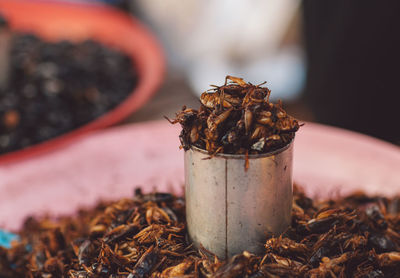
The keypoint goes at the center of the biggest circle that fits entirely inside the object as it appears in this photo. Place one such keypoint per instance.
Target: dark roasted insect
(234, 118)
(57, 86)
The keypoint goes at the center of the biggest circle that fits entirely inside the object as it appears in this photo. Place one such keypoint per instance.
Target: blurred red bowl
(54, 21)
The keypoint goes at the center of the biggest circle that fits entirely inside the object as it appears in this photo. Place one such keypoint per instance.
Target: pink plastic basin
(109, 164)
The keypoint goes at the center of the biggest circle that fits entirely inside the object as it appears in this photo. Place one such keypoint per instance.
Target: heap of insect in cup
(144, 236)
(236, 118)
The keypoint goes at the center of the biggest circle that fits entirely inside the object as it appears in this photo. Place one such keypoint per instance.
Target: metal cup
(230, 210)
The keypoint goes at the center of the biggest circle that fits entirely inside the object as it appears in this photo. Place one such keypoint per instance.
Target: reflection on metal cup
(230, 210)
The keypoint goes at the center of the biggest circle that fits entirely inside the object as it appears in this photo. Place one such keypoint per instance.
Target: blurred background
(204, 41)
(334, 63)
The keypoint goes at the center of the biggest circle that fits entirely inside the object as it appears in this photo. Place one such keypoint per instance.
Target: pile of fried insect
(236, 118)
(145, 236)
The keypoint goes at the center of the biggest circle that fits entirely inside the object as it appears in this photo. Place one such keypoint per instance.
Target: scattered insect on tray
(145, 236)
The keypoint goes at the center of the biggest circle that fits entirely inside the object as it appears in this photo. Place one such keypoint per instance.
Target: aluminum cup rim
(242, 156)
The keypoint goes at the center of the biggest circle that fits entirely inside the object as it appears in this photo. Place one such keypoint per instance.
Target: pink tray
(110, 164)
(55, 20)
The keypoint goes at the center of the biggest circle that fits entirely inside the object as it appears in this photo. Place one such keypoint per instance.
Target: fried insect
(264, 118)
(177, 270)
(145, 236)
(236, 117)
(211, 100)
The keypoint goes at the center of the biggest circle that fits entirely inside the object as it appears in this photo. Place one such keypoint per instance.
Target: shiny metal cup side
(230, 210)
